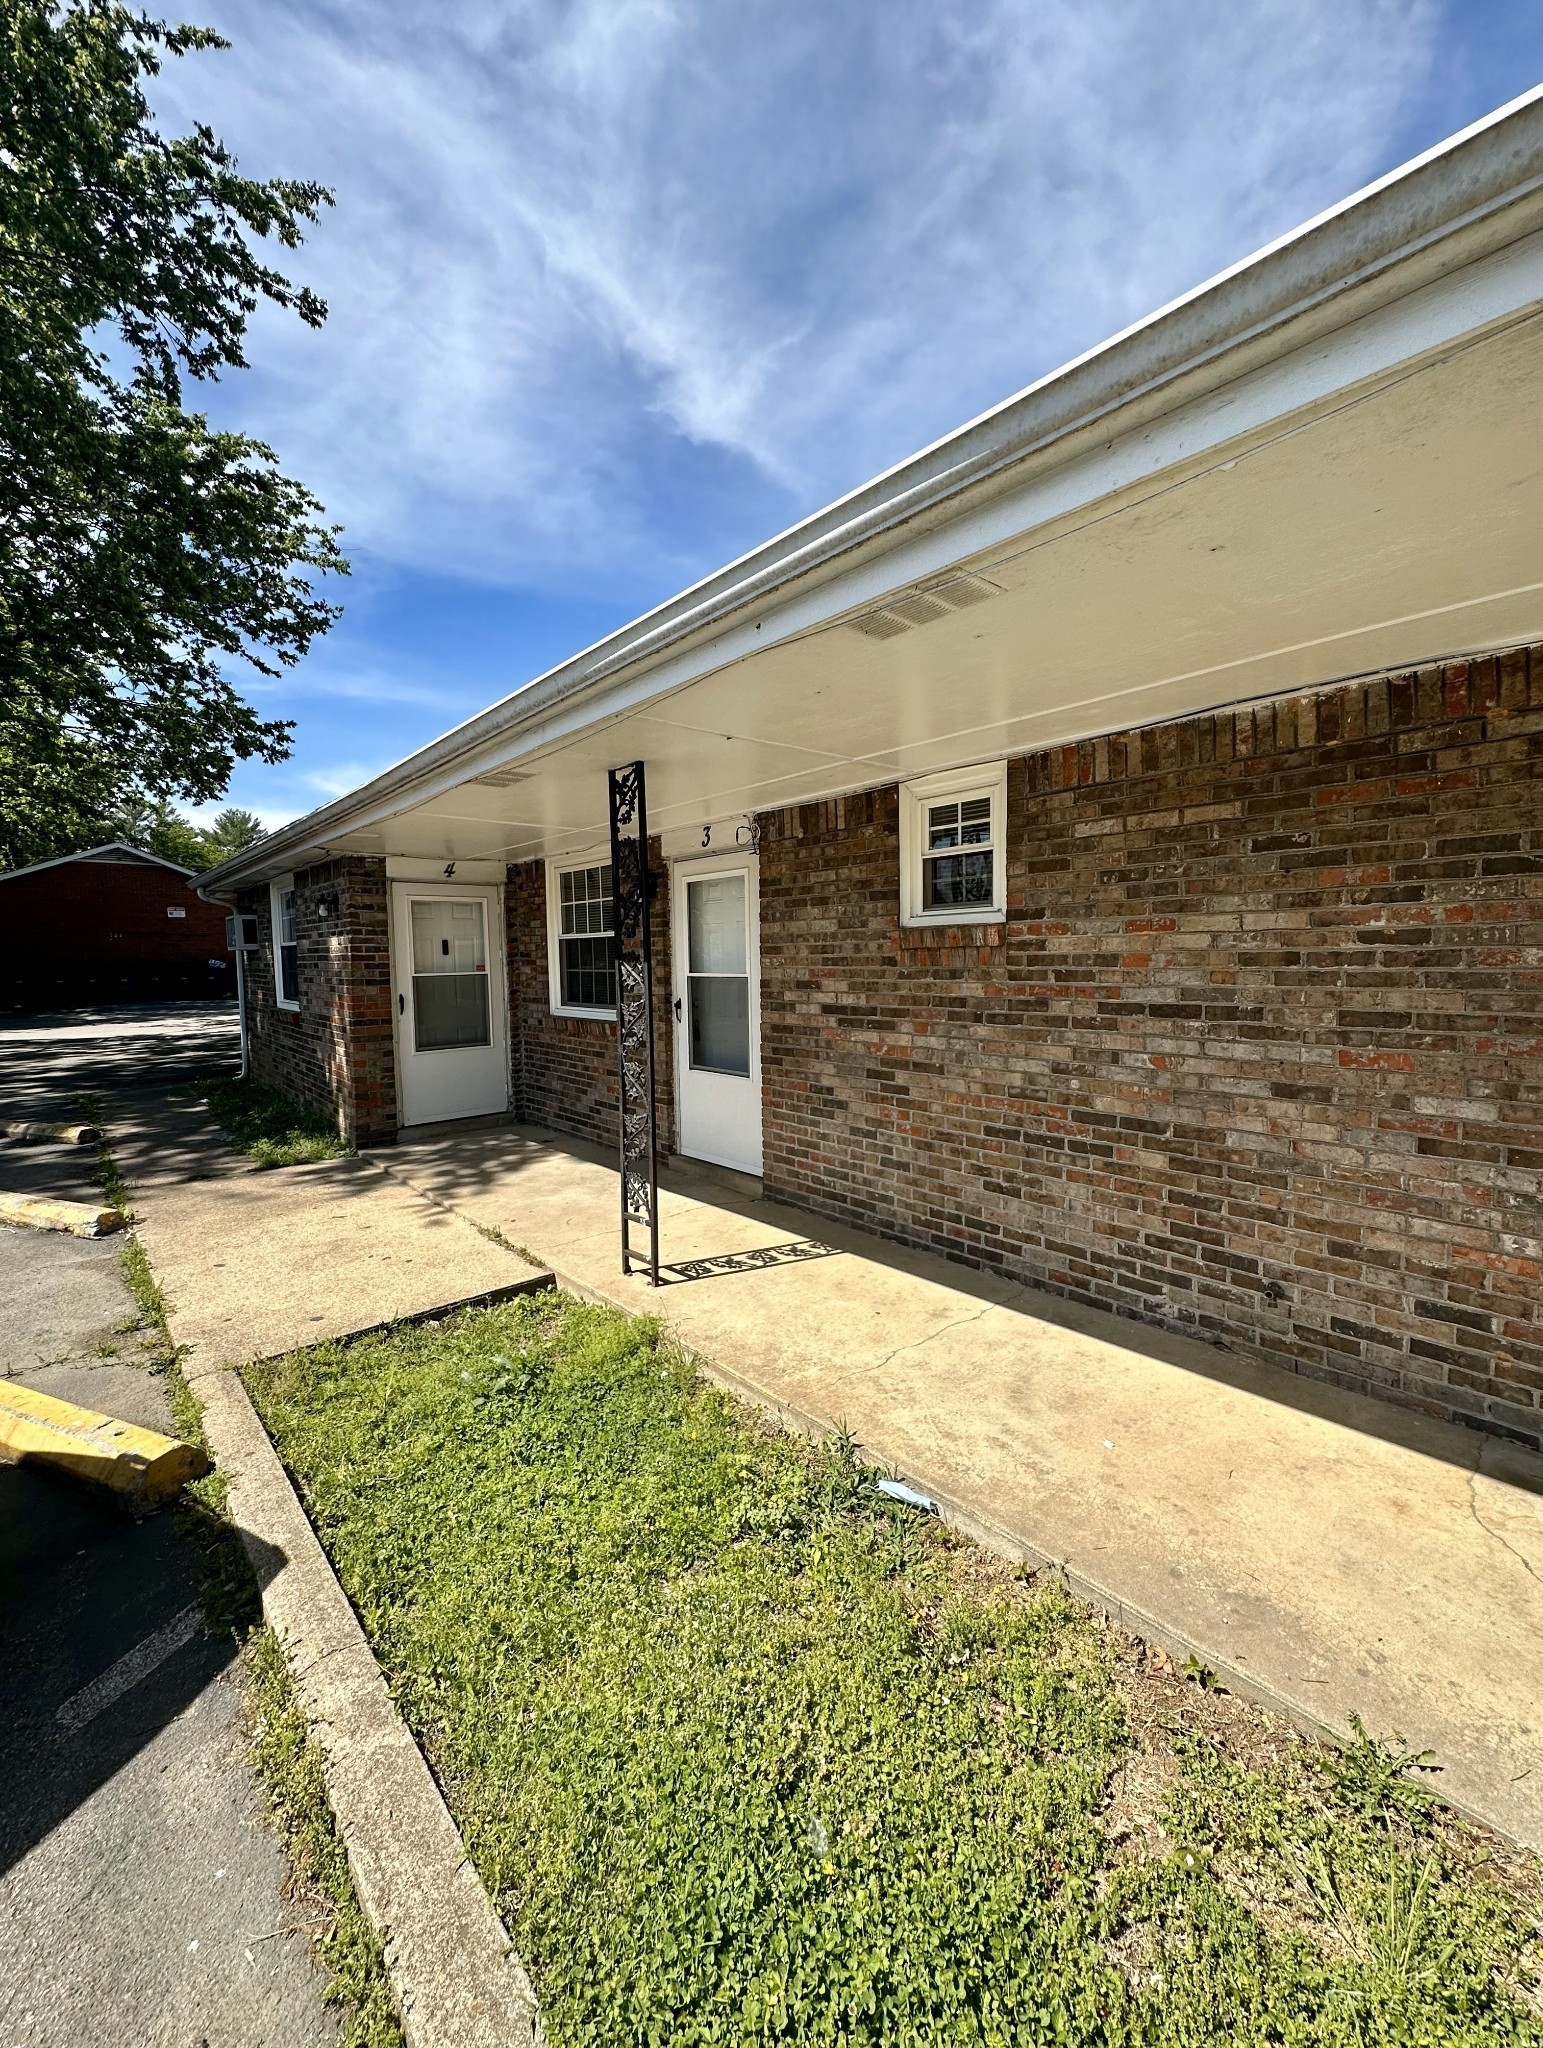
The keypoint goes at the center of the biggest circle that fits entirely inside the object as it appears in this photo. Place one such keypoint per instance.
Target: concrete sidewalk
(254, 1264)
(1332, 1553)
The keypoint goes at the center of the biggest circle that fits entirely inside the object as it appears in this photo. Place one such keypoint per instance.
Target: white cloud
(320, 680)
(618, 284)
(340, 778)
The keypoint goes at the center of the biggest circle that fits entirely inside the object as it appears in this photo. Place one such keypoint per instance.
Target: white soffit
(1257, 517)
(1399, 525)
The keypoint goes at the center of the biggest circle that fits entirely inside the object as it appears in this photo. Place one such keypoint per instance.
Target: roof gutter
(1448, 207)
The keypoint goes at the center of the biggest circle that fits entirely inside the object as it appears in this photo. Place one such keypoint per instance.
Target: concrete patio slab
(1333, 1554)
(255, 1264)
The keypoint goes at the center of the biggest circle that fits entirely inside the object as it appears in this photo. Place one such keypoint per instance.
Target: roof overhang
(99, 854)
(1326, 461)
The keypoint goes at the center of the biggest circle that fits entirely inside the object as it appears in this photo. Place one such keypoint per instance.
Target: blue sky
(620, 287)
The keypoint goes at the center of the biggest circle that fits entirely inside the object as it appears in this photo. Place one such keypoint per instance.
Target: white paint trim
(987, 780)
(1419, 262)
(594, 858)
(278, 888)
(727, 835)
(95, 853)
(485, 873)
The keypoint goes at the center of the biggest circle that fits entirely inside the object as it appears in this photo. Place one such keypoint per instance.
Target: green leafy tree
(142, 552)
(158, 829)
(57, 789)
(179, 839)
(232, 832)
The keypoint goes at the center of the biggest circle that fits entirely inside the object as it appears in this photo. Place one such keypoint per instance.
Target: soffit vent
(922, 607)
(879, 625)
(502, 778)
(917, 611)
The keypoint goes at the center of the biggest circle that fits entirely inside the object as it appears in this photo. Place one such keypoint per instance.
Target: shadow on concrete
(109, 1630)
(496, 1149)
(755, 1260)
(48, 1061)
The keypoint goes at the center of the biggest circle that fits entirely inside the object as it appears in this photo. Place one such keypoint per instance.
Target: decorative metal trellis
(634, 1018)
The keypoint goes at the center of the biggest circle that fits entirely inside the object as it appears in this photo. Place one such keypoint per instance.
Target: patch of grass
(746, 1754)
(320, 1890)
(1282, 1908)
(269, 1127)
(108, 1176)
(227, 1586)
(1373, 1778)
(149, 1302)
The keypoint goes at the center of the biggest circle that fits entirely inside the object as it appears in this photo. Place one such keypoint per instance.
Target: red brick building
(113, 924)
(1107, 849)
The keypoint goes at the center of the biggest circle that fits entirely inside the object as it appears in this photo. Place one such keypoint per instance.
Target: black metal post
(634, 1016)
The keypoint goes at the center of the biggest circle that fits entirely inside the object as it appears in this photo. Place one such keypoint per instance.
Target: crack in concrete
(918, 1343)
(1499, 1535)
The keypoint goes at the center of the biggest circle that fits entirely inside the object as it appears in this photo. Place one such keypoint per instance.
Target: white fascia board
(94, 853)
(1444, 212)
(1223, 427)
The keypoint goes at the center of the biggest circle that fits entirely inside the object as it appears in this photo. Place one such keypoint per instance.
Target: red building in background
(113, 924)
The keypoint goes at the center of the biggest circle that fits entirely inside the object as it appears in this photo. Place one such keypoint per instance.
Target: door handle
(677, 1009)
(401, 1006)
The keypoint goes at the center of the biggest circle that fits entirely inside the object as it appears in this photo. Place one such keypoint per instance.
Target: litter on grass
(896, 1489)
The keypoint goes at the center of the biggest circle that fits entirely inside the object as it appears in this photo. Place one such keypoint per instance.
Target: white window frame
(958, 784)
(555, 869)
(280, 887)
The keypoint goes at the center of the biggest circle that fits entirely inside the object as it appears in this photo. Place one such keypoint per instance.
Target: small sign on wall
(175, 910)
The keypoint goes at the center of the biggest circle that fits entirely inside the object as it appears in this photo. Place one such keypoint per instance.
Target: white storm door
(447, 970)
(718, 1012)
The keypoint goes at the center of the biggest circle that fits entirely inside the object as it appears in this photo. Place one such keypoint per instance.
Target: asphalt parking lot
(141, 1894)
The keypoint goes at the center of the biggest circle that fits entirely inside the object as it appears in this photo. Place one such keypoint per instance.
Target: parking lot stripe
(135, 1664)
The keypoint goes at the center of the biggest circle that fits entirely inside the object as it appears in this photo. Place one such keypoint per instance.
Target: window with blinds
(952, 852)
(286, 945)
(959, 862)
(584, 946)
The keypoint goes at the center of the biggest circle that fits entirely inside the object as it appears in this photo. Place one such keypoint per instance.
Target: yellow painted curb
(140, 1466)
(50, 1134)
(40, 1212)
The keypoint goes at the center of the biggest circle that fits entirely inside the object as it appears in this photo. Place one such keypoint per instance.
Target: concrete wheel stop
(139, 1468)
(44, 1212)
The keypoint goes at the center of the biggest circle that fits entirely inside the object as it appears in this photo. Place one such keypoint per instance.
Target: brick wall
(98, 931)
(336, 1052)
(1258, 1053)
(565, 1067)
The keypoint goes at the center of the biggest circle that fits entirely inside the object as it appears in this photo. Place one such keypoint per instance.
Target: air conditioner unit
(241, 933)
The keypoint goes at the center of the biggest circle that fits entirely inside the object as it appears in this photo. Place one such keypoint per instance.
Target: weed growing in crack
(320, 1892)
(319, 1886)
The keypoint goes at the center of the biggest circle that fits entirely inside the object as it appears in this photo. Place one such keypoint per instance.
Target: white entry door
(718, 1011)
(447, 957)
